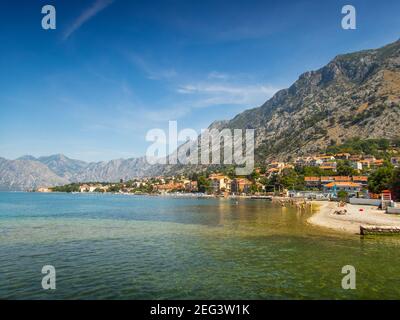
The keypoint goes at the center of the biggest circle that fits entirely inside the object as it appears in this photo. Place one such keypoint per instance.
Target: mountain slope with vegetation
(354, 95)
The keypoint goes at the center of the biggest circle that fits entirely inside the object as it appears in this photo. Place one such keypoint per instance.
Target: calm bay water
(134, 247)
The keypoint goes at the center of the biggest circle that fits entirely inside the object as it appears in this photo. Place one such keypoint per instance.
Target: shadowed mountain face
(355, 95)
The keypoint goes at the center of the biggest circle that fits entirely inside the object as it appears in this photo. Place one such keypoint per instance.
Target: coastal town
(320, 176)
(355, 192)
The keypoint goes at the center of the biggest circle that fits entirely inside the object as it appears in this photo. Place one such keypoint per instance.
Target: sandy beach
(351, 221)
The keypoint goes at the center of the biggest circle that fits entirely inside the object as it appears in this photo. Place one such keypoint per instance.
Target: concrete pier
(365, 230)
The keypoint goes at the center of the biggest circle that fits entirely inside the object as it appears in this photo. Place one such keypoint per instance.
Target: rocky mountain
(63, 166)
(26, 174)
(114, 170)
(354, 95)
(27, 157)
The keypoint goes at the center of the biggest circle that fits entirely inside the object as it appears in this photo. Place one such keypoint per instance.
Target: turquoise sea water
(134, 247)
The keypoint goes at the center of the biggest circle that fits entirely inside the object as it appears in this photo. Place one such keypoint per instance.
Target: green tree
(342, 195)
(73, 187)
(254, 176)
(383, 144)
(114, 188)
(203, 184)
(395, 184)
(380, 179)
(375, 147)
(290, 179)
(396, 142)
(344, 168)
(254, 188)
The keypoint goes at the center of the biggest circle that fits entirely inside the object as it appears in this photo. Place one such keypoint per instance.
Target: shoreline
(165, 195)
(350, 222)
(323, 211)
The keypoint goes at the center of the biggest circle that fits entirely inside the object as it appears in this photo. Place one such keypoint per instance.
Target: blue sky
(112, 70)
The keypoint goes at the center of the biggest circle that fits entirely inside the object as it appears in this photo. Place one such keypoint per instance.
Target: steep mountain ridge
(355, 94)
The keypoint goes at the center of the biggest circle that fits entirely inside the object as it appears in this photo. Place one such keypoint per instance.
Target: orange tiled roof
(342, 184)
(311, 178)
(342, 178)
(327, 167)
(327, 178)
(360, 178)
(217, 176)
(170, 186)
(243, 181)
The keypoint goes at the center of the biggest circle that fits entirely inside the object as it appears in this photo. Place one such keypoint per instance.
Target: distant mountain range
(354, 95)
(28, 172)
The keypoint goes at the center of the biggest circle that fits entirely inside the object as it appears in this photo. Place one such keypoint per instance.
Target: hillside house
(395, 161)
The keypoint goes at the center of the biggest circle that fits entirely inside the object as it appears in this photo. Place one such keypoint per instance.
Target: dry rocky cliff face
(355, 95)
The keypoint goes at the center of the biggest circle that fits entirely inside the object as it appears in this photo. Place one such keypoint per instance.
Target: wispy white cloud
(218, 75)
(211, 94)
(151, 71)
(86, 15)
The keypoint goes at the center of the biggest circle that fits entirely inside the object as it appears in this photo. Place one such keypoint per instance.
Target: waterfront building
(363, 180)
(345, 186)
(220, 183)
(240, 185)
(342, 156)
(312, 181)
